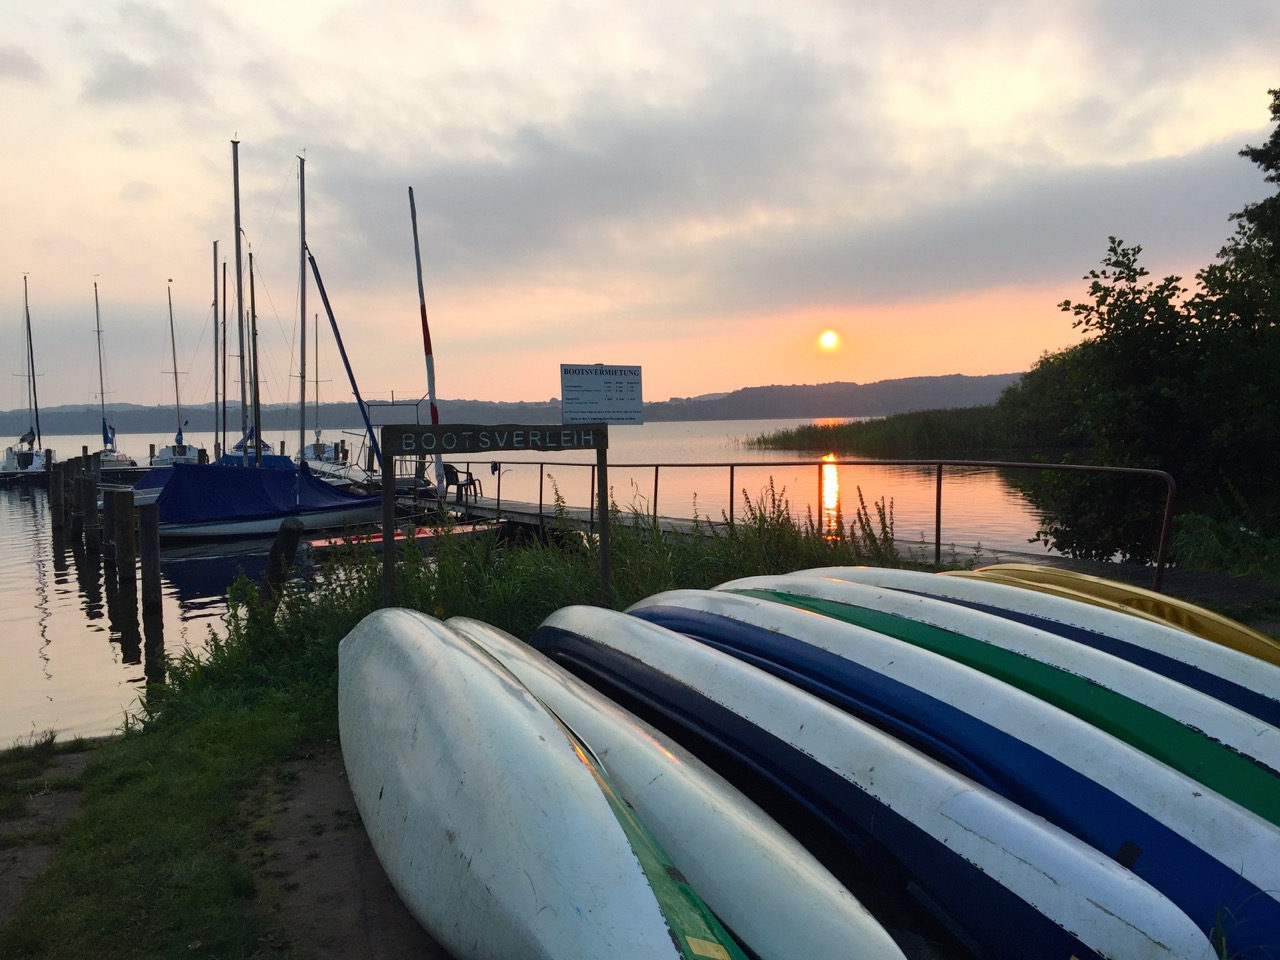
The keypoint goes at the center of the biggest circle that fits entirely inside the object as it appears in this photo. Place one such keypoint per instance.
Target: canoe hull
(762, 884)
(1005, 882)
(465, 784)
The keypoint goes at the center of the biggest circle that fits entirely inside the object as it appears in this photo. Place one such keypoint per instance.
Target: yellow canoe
(1136, 601)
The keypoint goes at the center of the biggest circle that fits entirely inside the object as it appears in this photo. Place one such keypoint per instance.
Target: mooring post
(280, 560)
(126, 540)
(89, 510)
(58, 494)
(149, 551)
(152, 596)
(108, 524)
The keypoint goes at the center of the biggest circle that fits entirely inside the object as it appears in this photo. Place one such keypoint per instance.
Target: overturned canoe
(493, 822)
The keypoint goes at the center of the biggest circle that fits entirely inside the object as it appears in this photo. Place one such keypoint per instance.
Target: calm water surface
(74, 657)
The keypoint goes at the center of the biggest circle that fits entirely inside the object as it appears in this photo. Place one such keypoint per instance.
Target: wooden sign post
(456, 439)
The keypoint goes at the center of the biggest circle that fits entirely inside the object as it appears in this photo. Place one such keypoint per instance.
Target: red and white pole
(426, 339)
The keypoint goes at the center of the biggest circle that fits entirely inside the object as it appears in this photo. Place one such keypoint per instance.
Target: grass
(159, 863)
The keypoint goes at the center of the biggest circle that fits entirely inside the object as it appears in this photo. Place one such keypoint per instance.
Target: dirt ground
(323, 880)
(316, 869)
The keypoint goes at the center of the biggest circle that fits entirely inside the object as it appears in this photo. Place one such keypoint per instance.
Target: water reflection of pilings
(89, 578)
(152, 590)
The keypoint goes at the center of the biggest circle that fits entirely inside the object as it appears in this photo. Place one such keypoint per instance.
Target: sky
(701, 190)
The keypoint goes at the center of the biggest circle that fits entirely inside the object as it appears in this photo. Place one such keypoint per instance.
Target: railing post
(1165, 526)
(733, 494)
(655, 494)
(822, 500)
(388, 526)
(542, 476)
(591, 516)
(937, 522)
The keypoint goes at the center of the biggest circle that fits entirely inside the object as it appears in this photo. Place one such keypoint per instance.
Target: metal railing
(939, 467)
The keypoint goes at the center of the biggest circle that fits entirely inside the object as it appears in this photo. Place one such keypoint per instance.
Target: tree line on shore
(1174, 376)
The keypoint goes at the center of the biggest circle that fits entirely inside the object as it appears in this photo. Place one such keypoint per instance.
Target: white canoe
(1011, 881)
(1240, 732)
(1246, 682)
(764, 886)
(487, 815)
(1206, 854)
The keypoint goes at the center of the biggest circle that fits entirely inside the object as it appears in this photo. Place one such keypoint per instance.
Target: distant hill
(877, 399)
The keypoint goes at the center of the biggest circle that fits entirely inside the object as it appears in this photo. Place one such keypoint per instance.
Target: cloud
(137, 191)
(119, 79)
(18, 64)
(658, 171)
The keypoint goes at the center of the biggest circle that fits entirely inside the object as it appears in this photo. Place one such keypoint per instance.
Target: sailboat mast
(173, 347)
(315, 331)
(426, 338)
(253, 349)
(302, 309)
(102, 396)
(223, 414)
(215, 348)
(33, 403)
(235, 182)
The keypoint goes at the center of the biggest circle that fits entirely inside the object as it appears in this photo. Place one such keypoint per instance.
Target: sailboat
(327, 460)
(26, 458)
(250, 493)
(179, 451)
(112, 460)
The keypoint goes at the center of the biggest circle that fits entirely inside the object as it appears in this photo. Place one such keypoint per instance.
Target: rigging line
(268, 357)
(271, 219)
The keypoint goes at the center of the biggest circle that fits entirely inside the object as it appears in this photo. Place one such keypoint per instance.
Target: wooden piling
(280, 561)
(149, 552)
(92, 523)
(108, 525)
(57, 495)
(123, 533)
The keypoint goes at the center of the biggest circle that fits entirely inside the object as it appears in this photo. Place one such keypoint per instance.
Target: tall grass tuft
(290, 648)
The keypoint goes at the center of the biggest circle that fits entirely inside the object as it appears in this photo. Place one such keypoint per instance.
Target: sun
(829, 340)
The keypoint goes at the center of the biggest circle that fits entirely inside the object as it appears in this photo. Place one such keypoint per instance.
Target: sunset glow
(655, 185)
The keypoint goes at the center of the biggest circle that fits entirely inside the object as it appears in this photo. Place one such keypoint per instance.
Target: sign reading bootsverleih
(408, 439)
(598, 393)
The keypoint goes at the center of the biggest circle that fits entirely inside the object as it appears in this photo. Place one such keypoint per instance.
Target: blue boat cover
(272, 461)
(203, 494)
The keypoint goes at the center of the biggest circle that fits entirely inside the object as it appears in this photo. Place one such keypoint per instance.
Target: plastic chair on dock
(463, 482)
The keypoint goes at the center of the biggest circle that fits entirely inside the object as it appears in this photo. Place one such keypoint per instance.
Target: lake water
(74, 658)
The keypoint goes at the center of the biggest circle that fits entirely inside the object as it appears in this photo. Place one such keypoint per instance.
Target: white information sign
(600, 393)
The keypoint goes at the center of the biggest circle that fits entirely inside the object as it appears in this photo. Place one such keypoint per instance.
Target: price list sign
(600, 393)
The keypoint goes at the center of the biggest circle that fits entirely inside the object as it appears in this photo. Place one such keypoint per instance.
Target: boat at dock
(218, 501)
(25, 459)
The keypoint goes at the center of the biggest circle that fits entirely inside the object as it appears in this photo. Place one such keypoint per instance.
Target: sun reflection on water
(830, 495)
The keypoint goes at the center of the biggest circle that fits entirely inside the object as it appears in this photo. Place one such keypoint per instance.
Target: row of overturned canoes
(1036, 764)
